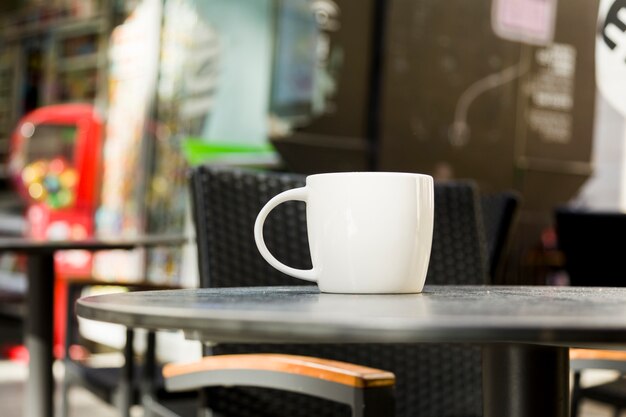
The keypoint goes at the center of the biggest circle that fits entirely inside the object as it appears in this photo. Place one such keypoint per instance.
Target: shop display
(51, 54)
(133, 65)
(54, 164)
(7, 73)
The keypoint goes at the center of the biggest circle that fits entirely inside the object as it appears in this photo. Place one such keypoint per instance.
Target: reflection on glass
(294, 59)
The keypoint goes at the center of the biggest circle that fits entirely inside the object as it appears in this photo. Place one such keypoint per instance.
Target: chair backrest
(432, 380)
(459, 251)
(593, 257)
(225, 202)
(587, 240)
(499, 211)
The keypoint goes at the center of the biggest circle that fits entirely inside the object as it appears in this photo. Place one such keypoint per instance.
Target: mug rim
(371, 173)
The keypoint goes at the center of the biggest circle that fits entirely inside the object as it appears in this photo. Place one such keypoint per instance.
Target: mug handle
(298, 194)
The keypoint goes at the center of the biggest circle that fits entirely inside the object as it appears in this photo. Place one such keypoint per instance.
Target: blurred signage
(611, 53)
(528, 21)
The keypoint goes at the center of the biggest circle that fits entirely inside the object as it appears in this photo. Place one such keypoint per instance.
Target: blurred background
(525, 95)
(105, 104)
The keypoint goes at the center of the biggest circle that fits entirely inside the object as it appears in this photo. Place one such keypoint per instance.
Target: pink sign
(528, 21)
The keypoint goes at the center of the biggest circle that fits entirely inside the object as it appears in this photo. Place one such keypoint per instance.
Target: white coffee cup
(369, 232)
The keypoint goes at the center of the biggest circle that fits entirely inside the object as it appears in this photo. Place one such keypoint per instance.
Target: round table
(525, 331)
(40, 299)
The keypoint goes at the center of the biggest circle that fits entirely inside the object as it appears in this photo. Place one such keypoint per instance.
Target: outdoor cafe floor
(82, 403)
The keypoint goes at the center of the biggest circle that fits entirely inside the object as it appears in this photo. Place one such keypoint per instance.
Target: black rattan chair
(121, 386)
(431, 380)
(134, 382)
(499, 211)
(592, 258)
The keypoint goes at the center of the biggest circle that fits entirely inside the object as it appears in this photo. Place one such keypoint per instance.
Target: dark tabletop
(31, 245)
(530, 314)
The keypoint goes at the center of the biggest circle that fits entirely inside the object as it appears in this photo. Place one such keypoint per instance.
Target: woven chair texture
(432, 380)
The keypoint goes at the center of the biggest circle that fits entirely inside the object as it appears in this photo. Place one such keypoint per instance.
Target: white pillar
(606, 188)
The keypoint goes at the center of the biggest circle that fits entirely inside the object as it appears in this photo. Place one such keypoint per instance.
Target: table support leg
(38, 337)
(525, 381)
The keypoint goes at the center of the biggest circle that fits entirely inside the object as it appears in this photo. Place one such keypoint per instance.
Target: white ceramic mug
(369, 232)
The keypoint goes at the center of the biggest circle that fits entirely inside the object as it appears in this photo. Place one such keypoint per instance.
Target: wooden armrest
(597, 354)
(340, 372)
